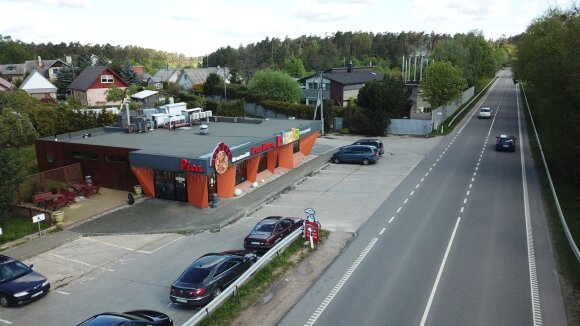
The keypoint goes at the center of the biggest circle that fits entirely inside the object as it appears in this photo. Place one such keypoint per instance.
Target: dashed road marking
(464, 200)
(399, 209)
(392, 218)
(467, 193)
(383, 230)
(412, 192)
(462, 208)
(406, 200)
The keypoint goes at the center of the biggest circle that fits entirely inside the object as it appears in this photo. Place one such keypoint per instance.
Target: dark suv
(364, 154)
(372, 142)
(505, 143)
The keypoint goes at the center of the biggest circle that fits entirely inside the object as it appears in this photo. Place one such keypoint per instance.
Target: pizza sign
(221, 157)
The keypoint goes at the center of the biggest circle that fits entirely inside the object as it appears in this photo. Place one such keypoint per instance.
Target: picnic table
(85, 189)
(49, 200)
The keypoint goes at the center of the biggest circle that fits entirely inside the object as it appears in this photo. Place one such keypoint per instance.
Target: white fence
(410, 127)
(441, 113)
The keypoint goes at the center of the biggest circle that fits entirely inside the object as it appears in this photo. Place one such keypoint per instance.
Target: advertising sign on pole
(37, 219)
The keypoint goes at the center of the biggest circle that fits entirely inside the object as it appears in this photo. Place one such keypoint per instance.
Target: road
(134, 271)
(461, 241)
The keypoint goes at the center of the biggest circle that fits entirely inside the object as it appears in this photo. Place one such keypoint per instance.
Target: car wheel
(216, 292)
(4, 301)
(365, 161)
(336, 160)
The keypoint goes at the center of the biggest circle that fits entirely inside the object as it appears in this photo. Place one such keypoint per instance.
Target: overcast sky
(199, 27)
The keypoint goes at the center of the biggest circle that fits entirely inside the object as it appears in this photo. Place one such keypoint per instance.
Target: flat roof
(187, 141)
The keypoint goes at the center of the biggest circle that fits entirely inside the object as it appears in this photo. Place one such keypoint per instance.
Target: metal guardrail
(231, 290)
(571, 241)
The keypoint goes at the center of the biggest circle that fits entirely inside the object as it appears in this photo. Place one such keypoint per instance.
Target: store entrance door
(180, 187)
(170, 185)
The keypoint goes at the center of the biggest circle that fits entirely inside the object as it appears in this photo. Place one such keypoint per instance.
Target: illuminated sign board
(288, 137)
(187, 166)
(262, 148)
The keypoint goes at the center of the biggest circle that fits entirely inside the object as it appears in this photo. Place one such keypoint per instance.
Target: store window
(116, 158)
(241, 170)
(85, 156)
(263, 165)
(296, 147)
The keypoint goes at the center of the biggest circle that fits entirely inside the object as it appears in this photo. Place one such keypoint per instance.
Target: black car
(372, 142)
(209, 275)
(19, 284)
(134, 317)
(270, 231)
(505, 143)
(364, 154)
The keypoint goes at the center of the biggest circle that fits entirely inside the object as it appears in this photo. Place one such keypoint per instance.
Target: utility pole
(319, 102)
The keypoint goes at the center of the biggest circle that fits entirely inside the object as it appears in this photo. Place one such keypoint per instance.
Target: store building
(188, 164)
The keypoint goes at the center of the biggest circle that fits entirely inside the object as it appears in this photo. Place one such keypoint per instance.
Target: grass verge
(250, 292)
(568, 267)
(14, 229)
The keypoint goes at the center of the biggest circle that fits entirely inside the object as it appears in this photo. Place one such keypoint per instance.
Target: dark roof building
(186, 164)
(92, 83)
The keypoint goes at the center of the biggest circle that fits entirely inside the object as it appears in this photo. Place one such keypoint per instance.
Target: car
(209, 275)
(505, 143)
(269, 231)
(372, 142)
(19, 284)
(484, 113)
(364, 154)
(134, 317)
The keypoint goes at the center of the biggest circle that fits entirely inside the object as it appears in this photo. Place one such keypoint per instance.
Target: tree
(444, 83)
(275, 85)
(11, 175)
(382, 99)
(128, 74)
(210, 83)
(65, 77)
(16, 130)
(294, 67)
(115, 94)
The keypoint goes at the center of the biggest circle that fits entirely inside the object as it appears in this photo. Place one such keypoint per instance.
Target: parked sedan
(364, 154)
(270, 231)
(209, 275)
(19, 284)
(505, 143)
(135, 317)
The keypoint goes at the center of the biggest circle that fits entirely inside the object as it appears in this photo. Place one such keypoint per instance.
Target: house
(5, 85)
(47, 68)
(339, 84)
(189, 77)
(165, 76)
(148, 98)
(13, 71)
(39, 87)
(92, 84)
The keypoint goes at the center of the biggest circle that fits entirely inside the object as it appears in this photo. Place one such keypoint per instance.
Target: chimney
(349, 68)
(39, 61)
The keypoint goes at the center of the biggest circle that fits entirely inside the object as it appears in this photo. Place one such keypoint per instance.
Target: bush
(344, 131)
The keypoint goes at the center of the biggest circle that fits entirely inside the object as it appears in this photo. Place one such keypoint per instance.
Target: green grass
(14, 229)
(569, 199)
(250, 292)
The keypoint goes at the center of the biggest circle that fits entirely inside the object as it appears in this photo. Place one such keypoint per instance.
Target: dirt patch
(277, 300)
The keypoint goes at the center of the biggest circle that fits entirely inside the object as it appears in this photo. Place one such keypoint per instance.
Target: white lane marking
(392, 218)
(462, 208)
(432, 295)
(412, 192)
(472, 179)
(417, 186)
(474, 173)
(62, 292)
(440, 156)
(422, 179)
(477, 163)
(426, 174)
(464, 200)
(535, 294)
(5, 321)
(470, 185)
(437, 160)
(406, 200)
(434, 164)
(398, 210)
(339, 285)
(467, 194)
(477, 167)
(80, 262)
(383, 230)
(430, 169)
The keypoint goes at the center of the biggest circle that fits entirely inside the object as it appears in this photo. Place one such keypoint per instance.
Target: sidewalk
(149, 215)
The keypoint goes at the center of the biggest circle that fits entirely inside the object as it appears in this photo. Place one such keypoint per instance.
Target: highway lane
(450, 245)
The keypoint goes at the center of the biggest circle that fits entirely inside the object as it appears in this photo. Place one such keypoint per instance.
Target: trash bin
(214, 200)
(138, 190)
(88, 179)
(58, 217)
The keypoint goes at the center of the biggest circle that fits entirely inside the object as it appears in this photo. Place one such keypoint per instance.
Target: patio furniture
(42, 199)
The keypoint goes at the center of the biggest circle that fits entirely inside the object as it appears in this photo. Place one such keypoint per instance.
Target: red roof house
(92, 84)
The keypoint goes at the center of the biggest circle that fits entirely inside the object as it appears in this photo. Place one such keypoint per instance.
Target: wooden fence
(51, 180)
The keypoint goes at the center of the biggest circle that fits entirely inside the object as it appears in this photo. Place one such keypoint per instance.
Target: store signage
(187, 166)
(288, 137)
(221, 157)
(262, 148)
(305, 131)
(240, 157)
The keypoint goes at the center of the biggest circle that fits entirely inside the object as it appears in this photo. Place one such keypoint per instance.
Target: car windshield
(194, 275)
(263, 229)
(485, 110)
(12, 270)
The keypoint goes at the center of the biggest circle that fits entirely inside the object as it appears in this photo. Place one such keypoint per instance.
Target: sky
(199, 27)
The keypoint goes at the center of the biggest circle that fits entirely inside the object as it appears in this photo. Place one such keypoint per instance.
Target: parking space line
(62, 292)
(5, 321)
(108, 244)
(80, 262)
(165, 245)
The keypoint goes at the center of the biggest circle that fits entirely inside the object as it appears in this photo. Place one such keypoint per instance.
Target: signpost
(311, 227)
(37, 219)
